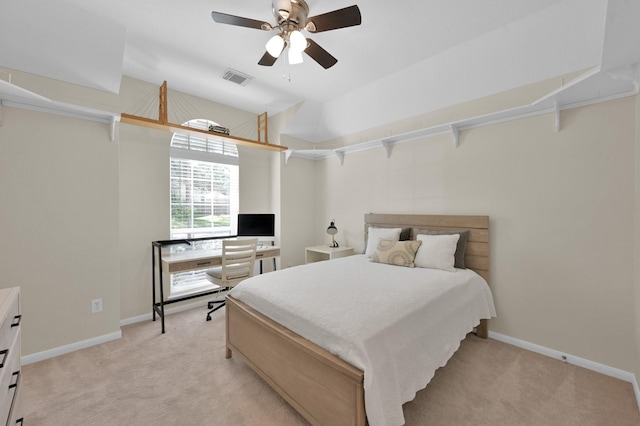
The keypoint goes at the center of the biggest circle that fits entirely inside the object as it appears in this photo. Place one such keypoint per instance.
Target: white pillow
(437, 251)
(375, 234)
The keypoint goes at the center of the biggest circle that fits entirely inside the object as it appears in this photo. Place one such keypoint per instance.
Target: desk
(190, 260)
(204, 259)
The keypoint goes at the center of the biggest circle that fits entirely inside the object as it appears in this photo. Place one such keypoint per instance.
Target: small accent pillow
(374, 234)
(399, 253)
(460, 248)
(437, 251)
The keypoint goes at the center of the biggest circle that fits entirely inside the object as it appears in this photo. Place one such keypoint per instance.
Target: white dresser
(10, 381)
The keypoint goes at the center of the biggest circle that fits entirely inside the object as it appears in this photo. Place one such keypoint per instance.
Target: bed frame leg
(228, 354)
(482, 330)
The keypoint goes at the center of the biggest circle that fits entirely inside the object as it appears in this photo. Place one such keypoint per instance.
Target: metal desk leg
(161, 292)
(153, 281)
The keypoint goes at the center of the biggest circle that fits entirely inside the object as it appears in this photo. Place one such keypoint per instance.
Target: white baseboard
(580, 362)
(41, 356)
(636, 390)
(61, 350)
(167, 311)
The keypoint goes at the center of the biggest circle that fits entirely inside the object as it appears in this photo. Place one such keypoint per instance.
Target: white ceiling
(407, 58)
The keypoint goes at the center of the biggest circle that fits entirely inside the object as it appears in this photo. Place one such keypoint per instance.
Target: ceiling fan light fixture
(297, 41)
(292, 16)
(295, 57)
(275, 45)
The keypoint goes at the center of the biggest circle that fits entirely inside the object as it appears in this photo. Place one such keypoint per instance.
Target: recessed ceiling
(405, 59)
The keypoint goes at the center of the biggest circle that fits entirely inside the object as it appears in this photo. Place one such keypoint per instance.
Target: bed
(336, 368)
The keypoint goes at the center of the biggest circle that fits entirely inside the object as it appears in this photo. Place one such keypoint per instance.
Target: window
(204, 194)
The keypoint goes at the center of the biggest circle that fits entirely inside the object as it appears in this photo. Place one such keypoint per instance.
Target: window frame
(216, 152)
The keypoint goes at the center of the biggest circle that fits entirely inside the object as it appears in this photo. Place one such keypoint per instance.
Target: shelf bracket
(112, 129)
(340, 155)
(456, 135)
(263, 128)
(387, 147)
(287, 155)
(557, 114)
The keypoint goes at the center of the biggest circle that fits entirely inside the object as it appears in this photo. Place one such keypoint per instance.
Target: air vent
(237, 77)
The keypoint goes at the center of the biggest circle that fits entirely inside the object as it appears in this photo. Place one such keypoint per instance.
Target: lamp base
(334, 244)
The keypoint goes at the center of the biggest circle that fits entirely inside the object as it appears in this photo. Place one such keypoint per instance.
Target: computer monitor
(256, 224)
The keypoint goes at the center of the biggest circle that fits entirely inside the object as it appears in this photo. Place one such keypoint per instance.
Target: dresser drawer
(9, 376)
(11, 323)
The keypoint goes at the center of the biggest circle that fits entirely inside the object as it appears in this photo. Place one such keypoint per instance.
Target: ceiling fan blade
(267, 60)
(223, 18)
(320, 55)
(341, 18)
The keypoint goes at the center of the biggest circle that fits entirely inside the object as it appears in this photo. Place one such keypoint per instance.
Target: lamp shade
(332, 230)
(275, 45)
(295, 57)
(297, 41)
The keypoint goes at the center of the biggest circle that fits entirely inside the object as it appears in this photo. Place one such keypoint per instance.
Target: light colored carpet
(183, 378)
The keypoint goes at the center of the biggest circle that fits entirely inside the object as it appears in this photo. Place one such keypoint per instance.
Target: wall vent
(237, 77)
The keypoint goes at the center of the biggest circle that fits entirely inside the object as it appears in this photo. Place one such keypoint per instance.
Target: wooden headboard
(477, 251)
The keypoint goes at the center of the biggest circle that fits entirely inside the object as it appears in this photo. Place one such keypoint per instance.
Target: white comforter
(397, 324)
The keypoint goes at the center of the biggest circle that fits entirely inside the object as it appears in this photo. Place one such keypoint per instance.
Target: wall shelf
(17, 97)
(591, 87)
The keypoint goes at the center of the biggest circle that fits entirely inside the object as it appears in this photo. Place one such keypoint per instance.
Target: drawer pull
(15, 374)
(16, 321)
(204, 263)
(5, 354)
(20, 421)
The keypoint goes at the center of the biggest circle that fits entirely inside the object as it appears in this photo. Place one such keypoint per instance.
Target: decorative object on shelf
(292, 20)
(218, 129)
(332, 230)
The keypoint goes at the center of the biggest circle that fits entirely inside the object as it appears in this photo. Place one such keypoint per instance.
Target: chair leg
(210, 305)
(219, 302)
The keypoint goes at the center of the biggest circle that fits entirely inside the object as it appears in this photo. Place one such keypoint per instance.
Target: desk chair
(238, 259)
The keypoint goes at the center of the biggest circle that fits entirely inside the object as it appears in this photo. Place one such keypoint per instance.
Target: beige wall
(144, 211)
(60, 226)
(299, 210)
(561, 207)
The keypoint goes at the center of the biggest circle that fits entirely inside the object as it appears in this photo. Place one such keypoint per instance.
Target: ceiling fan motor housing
(298, 12)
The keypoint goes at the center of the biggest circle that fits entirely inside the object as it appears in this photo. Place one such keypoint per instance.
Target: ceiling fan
(291, 16)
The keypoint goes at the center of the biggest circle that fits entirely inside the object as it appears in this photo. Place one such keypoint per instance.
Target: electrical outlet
(96, 306)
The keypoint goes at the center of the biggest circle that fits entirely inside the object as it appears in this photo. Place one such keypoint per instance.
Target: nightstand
(318, 253)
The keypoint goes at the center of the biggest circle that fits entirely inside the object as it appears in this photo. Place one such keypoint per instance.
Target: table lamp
(332, 230)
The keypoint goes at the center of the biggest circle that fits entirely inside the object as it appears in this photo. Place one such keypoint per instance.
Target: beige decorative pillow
(400, 253)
